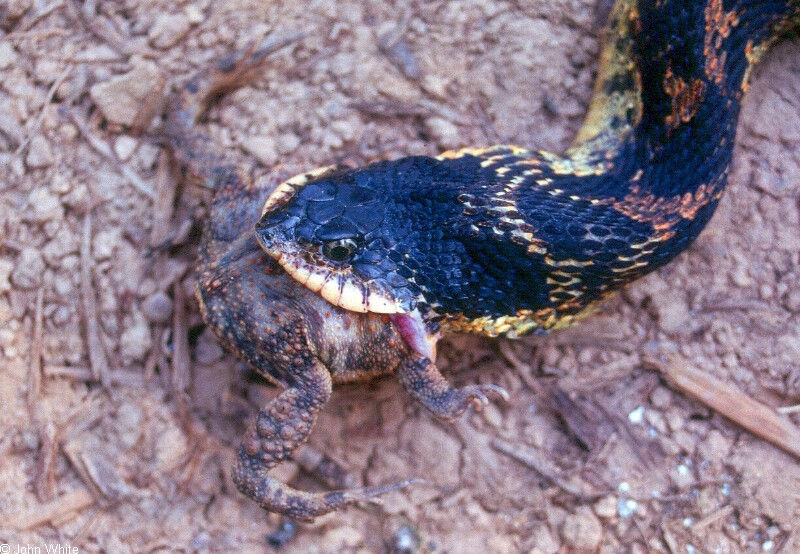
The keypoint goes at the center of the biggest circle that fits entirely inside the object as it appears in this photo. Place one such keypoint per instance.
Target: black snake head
(348, 235)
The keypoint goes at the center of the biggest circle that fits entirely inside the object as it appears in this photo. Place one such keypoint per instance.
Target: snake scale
(508, 241)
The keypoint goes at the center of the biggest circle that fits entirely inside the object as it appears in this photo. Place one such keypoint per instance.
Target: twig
(104, 150)
(28, 25)
(163, 202)
(104, 30)
(529, 459)
(789, 409)
(713, 517)
(35, 367)
(180, 342)
(760, 419)
(39, 118)
(46, 463)
(98, 362)
(60, 507)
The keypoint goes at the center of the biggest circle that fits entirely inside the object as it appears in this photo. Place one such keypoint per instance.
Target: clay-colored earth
(616, 460)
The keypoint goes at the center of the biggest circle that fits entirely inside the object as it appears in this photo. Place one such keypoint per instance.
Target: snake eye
(339, 250)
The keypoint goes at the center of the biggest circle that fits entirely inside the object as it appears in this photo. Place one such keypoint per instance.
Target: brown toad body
(288, 334)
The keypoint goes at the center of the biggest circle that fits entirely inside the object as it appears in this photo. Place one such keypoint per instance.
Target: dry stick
(97, 353)
(45, 482)
(35, 367)
(69, 503)
(713, 517)
(529, 459)
(163, 202)
(180, 342)
(48, 101)
(28, 25)
(760, 419)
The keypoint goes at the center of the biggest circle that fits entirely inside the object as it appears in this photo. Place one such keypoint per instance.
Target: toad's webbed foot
(424, 382)
(279, 429)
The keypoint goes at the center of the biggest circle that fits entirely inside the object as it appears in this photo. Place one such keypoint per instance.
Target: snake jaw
(412, 328)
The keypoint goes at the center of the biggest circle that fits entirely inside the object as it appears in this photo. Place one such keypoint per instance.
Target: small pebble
(287, 143)
(660, 397)
(8, 56)
(443, 131)
(168, 29)
(121, 97)
(606, 507)
(636, 416)
(792, 300)
(262, 147)
(124, 147)
(492, 416)
(405, 541)
(194, 14)
(135, 341)
(29, 270)
(626, 507)
(39, 153)
(104, 244)
(44, 205)
(582, 530)
(6, 267)
(157, 307)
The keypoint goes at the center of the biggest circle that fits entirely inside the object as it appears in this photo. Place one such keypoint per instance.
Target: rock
(673, 315)
(30, 266)
(44, 205)
(124, 147)
(104, 243)
(39, 153)
(129, 423)
(194, 14)
(168, 29)
(262, 147)
(443, 131)
(606, 507)
(661, 397)
(715, 448)
(157, 307)
(582, 530)
(135, 341)
(8, 56)
(64, 242)
(543, 541)
(792, 300)
(121, 97)
(6, 267)
(287, 143)
(343, 538)
(492, 416)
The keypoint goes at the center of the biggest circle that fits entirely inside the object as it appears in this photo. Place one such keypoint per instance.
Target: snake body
(508, 241)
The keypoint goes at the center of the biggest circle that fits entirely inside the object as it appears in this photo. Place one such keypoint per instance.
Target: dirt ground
(594, 452)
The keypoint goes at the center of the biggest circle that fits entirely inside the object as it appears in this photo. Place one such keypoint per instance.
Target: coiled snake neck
(508, 241)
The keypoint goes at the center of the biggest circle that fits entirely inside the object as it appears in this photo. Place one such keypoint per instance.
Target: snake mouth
(339, 288)
(340, 291)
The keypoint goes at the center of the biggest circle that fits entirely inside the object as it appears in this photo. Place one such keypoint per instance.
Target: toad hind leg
(280, 428)
(423, 381)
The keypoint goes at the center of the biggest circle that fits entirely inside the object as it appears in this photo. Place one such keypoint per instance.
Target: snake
(509, 241)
